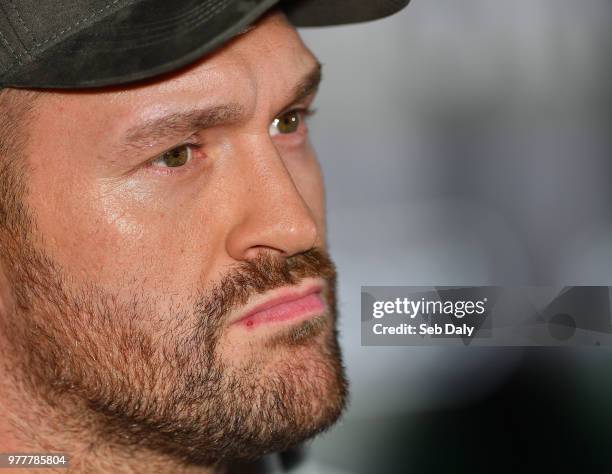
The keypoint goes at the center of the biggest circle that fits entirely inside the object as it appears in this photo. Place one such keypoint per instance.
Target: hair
(16, 106)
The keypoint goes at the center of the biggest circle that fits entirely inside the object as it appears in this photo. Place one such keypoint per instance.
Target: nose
(274, 216)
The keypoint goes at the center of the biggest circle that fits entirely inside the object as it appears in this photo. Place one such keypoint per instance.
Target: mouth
(286, 306)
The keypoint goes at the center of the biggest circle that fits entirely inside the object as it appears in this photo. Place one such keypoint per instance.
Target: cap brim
(339, 12)
(155, 37)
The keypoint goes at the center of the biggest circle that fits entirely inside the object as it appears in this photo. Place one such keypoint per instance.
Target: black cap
(93, 43)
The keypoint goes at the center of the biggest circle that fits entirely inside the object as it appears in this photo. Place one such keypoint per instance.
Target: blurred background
(469, 143)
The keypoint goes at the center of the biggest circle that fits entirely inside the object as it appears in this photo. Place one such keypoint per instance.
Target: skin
(105, 212)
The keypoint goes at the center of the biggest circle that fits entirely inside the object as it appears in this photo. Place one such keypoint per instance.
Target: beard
(131, 376)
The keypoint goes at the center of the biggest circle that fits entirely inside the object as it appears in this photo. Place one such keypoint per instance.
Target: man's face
(158, 217)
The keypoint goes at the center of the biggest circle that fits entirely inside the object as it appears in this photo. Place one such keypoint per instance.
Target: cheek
(119, 234)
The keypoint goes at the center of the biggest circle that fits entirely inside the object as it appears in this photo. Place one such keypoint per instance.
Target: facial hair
(137, 379)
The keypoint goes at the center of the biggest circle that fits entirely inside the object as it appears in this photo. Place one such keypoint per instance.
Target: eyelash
(306, 112)
(195, 144)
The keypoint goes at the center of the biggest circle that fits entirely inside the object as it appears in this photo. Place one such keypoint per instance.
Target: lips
(290, 306)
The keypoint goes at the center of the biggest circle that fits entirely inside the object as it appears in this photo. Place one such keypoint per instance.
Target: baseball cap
(94, 43)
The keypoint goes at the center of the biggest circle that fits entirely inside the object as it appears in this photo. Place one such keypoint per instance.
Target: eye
(179, 156)
(289, 122)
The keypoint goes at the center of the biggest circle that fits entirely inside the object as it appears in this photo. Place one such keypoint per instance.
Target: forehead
(267, 55)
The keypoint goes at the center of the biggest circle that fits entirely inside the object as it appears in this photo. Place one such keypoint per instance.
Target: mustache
(264, 273)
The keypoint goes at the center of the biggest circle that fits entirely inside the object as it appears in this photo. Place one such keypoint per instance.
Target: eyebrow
(307, 86)
(175, 124)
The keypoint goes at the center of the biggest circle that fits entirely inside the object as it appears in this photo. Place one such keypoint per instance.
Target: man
(166, 300)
